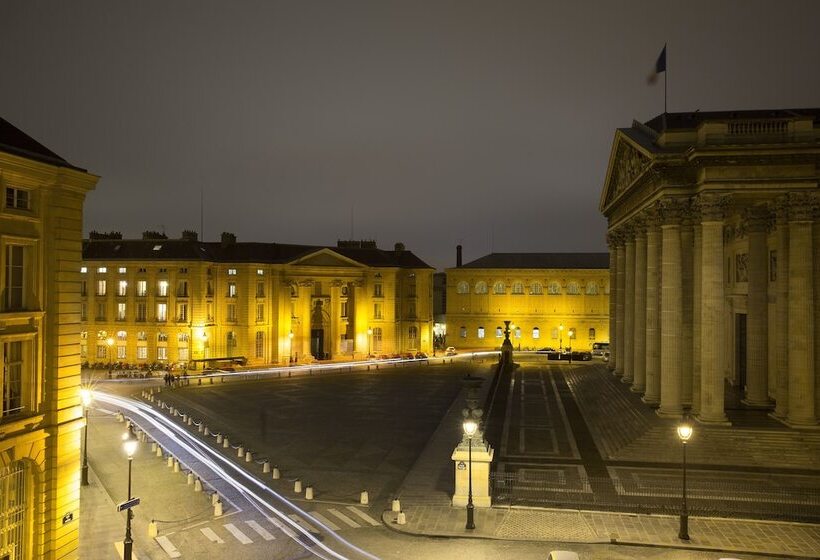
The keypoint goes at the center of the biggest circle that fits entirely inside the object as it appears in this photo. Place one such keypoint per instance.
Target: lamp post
(110, 342)
(369, 335)
(684, 433)
(129, 443)
(86, 397)
(290, 348)
(470, 427)
(571, 335)
(560, 338)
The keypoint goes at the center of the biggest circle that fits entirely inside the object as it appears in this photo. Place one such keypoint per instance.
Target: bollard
(184, 417)
(240, 452)
(152, 530)
(212, 380)
(266, 467)
(200, 427)
(205, 431)
(190, 478)
(276, 474)
(153, 446)
(170, 462)
(309, 493)
(159, 451)
(225, 443)
(218, 508)
(401, 519)
(197, 485)
(248, 456)
(176, 465)
(396, 506)
(297, 486)
(199, 381)
(364, 498)
(190, 421)
(218, 438)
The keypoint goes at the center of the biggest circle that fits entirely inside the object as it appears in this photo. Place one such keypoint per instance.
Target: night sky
(432, 123)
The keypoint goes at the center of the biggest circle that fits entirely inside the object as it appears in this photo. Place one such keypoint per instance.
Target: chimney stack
(458, 256)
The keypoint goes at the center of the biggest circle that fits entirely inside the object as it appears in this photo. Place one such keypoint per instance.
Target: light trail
(247, 485)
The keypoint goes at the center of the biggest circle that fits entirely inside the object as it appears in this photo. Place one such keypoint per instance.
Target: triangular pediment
(326, 258)
(627, 162)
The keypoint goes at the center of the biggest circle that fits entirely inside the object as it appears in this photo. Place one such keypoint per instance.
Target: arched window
(499, 288)
(517, 332)
(536, 333)
(592, 288)
(260, 344)
(518, 288)
(377, 339)
(463, 288)
(499, 332)
(554, 288)
(182, 337)
(592, 334)
(162, 337)
(463, 332)
(536, 289)
(481, 287)
(102, 335)
(412, 335)
(573, 289)
(480, 332)
(122, 335)
(141, 336)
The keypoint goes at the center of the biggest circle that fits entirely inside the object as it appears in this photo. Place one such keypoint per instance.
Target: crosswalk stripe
(364, 516)
(213, 537)
(344, 518)
(240, 536)
(325, 520)
(283, 527)
(303, 523)
(261, 530)
(168, 547)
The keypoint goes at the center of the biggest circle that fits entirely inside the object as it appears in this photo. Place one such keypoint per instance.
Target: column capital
(639, 225)
(671, 210)
(615, 238)
(802, 206)
(710, 207)
(757, 218)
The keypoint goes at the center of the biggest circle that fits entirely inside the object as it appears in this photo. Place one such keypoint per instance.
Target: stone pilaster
(619, 308)
(639, 362)
(652, 392)
(782, 308)
(612, 242)
(712, 209)
(801, 310)
(629, 308)
(671, 308)
(687, 239)
(757, 337)
(697, 281)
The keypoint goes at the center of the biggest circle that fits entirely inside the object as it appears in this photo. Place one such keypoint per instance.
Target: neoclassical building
(714, 254)
(40, 412)
(547, 296)
(179, 301)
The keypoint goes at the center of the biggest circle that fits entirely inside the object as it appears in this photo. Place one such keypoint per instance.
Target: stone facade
(715, 248)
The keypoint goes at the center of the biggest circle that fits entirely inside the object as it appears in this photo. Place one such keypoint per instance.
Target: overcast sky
(432, 123)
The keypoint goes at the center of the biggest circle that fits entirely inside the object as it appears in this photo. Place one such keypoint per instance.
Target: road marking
(344, 518)
(325, 520)
(240, 536)
(168, 547)
(213, 537)
(119, 548)
(364, 516)
(261, 530)
(283, 527)
(303, 523)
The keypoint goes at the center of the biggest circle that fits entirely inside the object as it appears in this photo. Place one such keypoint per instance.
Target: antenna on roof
(202, 213)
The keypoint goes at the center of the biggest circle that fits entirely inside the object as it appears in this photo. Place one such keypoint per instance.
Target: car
(599, 348)
(562, 555)
(407, 356)
(421, 356)
(451, 351)
(546, 350)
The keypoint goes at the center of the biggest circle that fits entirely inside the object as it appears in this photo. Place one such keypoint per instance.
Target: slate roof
(15, 141)
(240, 252)
(691, 120)
(542, 260)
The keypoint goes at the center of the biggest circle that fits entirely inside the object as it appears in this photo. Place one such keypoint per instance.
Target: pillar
(639, 365)
(629, 308)
(613, 281)
(671, 310)
(619, 308)
(687, 241)
(478, 452)
(697, 280)
(652, 393)
(757, 310)
(782, 308)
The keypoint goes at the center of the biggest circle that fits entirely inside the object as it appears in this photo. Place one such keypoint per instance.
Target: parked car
(562, 555)
(546, 350)
(421, 356)
(598, 348)
(407, 356)
(451, 351)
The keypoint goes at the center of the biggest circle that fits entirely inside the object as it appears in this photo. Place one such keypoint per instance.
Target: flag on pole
(660, 66)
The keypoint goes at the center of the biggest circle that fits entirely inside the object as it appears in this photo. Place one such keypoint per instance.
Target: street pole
(128, 543)
(470, 507)
(683, 533)
(84, 479)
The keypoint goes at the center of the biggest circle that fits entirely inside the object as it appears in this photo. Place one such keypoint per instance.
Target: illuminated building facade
(174, 301)
(547, 296)
(40, 412)
(715, 249)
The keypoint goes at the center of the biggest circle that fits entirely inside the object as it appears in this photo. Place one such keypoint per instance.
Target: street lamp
(470, 427)
(290, 347)
(369, 335)
(86, 397)
(571, 335)
(684, 433)
(129, 444)
(110, 342)
(560, 338)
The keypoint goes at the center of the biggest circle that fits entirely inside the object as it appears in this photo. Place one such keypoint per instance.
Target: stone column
(619, 308)
(782, 308)
(697, 280)
(671, 309)
(801, 311)
(652, 393)
(629, 308)
(712, 208)
(687, 240)
(757, 310)
(613, 282)
(639, 362)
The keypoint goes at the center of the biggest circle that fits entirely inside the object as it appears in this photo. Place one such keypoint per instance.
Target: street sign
(68, 518)
(128, 504)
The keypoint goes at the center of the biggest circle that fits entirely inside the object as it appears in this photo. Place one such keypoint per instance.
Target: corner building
(538, 292)
(40, 412)
(715, 255)
(171, 301)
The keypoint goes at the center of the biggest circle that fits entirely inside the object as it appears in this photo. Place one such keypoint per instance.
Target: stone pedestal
(482, 457)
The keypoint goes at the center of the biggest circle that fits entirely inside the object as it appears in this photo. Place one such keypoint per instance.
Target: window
(592, 288)
(102, 287)
(12, 378)
(554, 333)
(260, 312)
(480, 332)
(83, 269)
(230, 342)
(518, 288)
(231, 312)
(411, 310)
(463, 288)
(102, 351)
(344, 309)
(231, 272)
(573, 289)
(412, 335)
(101, 312)
(83, 312)
(142, 352)
(536, 333)
(377, 310)
(182, 337)
(481, 287)
(377, 339)
(17, 198)
(231, 289)
(162, 353)
(377, 290)
(141, 270)
(517, 332)
(182, 312)
(554, 288)
(499, 332)
(121, 270)
(183, 270)
(209, 310)
(122, 288)
(15, 277)
(122, 335)
(162, 312)
(183, 354)
(260, 272)
(142, 312)
(142, 288)
(120, 352)
(462, 332)
(499, 288)
(162, 288)
(162, 337)
(260, 289)
(84, 288)
(210, 289)
(182, 288)
(536, 289)
(592, 334)
(142, 336)
(102, 270)
(260, 344)
(120, 312)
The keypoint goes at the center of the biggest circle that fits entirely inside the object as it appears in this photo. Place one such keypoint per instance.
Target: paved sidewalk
(427, 510)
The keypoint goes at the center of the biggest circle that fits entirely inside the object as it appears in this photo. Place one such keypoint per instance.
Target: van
(599, 348)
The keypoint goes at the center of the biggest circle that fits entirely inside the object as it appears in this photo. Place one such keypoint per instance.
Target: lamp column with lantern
(86, 397)
(571, 334)
(110, 342)
(369, 337)
(470, 427)
(129, 443)
(290, 348)
(560, 339)
(684, 433)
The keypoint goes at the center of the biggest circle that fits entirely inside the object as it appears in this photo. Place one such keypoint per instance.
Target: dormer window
(18, 199)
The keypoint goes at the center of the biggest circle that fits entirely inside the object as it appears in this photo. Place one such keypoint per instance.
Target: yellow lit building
(177, 301)
(41, 416)
(549, 297)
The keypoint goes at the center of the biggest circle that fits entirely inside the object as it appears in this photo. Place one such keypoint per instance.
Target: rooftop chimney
(458, 255)
(228, 239)
(189, 235)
